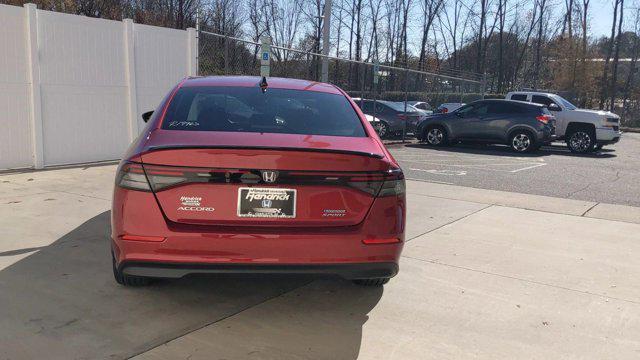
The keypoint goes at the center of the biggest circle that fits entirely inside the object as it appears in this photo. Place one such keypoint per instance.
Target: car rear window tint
(507, 108)
(519, 97)
(542, 100)
(248, 109)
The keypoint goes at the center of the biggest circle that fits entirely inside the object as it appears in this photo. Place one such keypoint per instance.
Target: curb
(549, 204)
(399, 142)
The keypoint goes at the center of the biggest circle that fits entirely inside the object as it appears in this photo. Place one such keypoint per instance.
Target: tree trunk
(605, 75)
(614, 76)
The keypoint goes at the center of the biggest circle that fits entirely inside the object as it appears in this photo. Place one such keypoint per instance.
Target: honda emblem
(269, 176)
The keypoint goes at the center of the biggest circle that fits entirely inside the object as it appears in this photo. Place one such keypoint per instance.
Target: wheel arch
(575, 125)
(520, 127)
(441, 124)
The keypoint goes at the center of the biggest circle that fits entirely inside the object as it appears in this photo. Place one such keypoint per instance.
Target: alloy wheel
(580, 141)
(521, 142)
(435, 136)
(381, 129)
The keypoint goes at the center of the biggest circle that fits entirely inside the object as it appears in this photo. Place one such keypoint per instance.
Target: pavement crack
(606, 297)
(589, 209)
(83, 195)
(449, 223)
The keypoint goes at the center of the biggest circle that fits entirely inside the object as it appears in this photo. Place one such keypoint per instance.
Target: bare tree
(616, 56)
(430, 10)
(542, 7)
(583, 57)
(605, 75)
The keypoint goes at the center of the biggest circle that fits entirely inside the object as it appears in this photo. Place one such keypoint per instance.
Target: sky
(601, 17)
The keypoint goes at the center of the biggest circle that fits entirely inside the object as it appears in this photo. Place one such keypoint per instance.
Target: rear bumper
(184, 248)
(347, 271)
(546, 135)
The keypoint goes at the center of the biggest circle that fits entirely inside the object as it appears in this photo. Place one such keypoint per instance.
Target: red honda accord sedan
(249, 175)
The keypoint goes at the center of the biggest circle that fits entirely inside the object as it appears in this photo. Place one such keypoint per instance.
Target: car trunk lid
(253, 179)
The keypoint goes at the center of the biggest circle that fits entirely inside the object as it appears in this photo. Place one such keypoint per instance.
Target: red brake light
(544, 118)
(143, 238)
(380, 241)
(445, 110)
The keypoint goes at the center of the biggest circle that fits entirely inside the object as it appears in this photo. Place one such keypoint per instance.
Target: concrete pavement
(484, 274)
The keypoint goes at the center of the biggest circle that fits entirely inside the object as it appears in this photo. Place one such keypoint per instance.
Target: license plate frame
(267, 202)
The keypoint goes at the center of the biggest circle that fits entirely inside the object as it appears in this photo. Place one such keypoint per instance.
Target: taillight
(390, 183)
(158, 177)
(445, 110)
(402, 116)
(131, 176)
(146, 178)
(544, 118)
(164, 177)
(394, 184)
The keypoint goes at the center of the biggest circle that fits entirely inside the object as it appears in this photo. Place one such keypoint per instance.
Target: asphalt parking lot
(609, 176)
(480, 278)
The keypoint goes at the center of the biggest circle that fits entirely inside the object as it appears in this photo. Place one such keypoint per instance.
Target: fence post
(374, 88)
(226, 55)
(130, 77)
(31, 16)
(484, 84)
(192, 52)
(406, 92)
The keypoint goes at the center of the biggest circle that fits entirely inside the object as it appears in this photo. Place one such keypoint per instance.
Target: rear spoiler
(334, 151)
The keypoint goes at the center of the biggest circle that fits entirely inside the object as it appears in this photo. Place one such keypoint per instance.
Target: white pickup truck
(582, 130)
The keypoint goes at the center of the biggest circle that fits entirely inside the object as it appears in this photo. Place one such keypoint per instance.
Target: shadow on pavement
(62, 303)
(322, 320)
(503, 150)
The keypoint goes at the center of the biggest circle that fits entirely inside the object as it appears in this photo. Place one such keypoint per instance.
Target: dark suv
(521, 125)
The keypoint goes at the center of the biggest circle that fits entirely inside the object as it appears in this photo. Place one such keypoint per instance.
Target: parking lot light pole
(326, 31)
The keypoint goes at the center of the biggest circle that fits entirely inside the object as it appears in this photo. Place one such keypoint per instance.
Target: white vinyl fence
(72, 88)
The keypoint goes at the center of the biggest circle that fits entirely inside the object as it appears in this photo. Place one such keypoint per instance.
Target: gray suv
(521, 125)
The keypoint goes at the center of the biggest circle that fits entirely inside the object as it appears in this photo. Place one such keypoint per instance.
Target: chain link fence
(391, 88)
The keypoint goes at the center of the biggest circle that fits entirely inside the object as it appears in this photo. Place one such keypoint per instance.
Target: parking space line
(442, 172)
(529, 167)
(431, 181)
(487, 167)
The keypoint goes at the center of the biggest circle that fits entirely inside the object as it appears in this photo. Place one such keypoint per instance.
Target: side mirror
(554, 107)
(146, 116)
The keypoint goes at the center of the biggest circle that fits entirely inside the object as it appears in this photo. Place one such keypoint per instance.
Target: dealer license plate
(267, 202)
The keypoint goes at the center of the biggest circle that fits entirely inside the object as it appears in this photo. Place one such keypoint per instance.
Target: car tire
(581, 140)
(522, 141)
(436, 135)
(371, 282)
(382, 129)
(128, 280)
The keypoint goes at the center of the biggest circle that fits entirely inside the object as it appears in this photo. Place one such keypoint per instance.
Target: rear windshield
(399, 106)
(248, 109)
